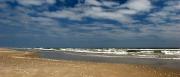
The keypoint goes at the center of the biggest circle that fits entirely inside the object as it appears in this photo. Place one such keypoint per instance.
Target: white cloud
(173, 4)
(159, 27)
(69, 14)
(92, 2)
(99, 13)
(35, 2)
(110, 3)
(139, 5)
(127, 12)
(119, 14)
(168, 13)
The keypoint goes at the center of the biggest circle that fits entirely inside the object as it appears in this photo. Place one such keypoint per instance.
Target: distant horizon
(92, 48)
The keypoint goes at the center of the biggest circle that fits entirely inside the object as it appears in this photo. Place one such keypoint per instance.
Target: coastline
(103, 58)
(28, 64)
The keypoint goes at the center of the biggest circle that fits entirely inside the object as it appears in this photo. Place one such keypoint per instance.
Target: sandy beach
(27, 64)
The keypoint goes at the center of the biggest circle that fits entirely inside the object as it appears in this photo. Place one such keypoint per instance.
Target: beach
(15, 63)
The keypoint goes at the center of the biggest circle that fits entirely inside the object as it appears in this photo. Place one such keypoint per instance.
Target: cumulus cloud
(139, 5)
(110, 3)
(167, 14)
(35, 2)
(134, 19)
(118, 13)
(93, 2)
(71, 14)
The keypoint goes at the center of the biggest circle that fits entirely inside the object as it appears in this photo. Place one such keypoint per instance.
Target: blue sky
(90, 23)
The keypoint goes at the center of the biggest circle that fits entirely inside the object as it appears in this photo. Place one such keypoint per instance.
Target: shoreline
(73, 56)
(30, 65)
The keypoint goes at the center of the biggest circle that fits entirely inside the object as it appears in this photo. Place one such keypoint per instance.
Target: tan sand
(26, 64)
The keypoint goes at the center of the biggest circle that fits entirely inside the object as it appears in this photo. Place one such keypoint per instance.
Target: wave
(112, 52)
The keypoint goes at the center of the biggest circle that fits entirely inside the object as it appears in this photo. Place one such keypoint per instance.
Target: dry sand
(27, 64)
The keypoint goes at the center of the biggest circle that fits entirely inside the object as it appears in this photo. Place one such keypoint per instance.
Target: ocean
(167, 61)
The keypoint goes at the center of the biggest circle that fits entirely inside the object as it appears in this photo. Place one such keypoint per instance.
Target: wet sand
(28, 64)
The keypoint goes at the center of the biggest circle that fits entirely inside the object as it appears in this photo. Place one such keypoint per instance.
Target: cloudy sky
(90, 23)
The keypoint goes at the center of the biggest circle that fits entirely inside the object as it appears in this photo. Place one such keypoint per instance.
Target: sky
(90, 23)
